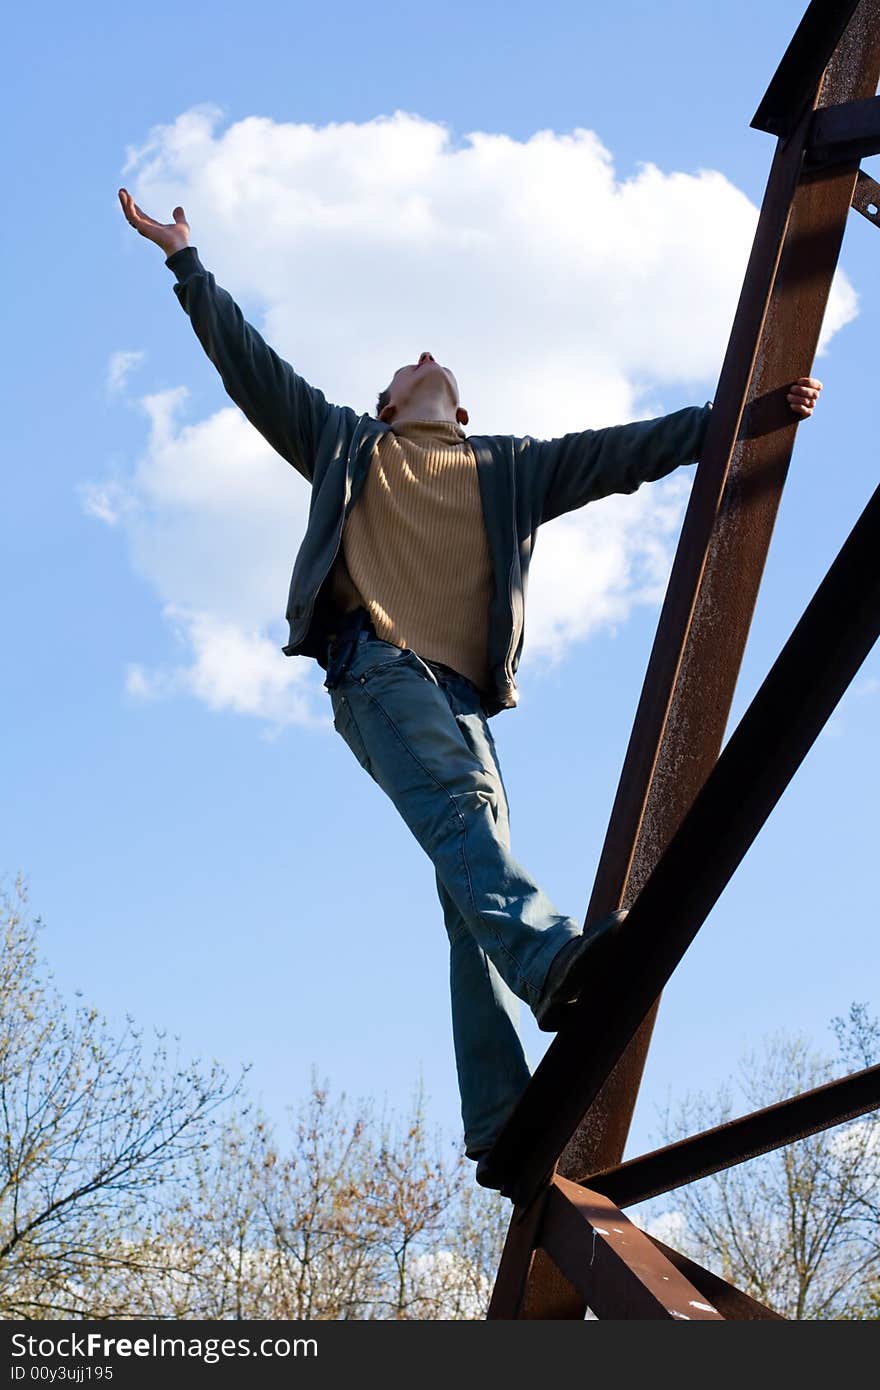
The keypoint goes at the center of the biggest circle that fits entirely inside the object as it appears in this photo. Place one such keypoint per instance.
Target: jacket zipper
(508, 660)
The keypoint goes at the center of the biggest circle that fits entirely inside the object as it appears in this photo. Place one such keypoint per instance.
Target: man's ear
(387, 413)
(461, 415)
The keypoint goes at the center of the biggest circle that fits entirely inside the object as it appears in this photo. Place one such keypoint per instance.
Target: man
(409, 590)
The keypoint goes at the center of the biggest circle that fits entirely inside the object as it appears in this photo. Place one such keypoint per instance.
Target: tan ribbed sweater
(414, 549)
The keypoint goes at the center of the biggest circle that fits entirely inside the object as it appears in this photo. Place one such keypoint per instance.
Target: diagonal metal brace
(866, 198)
(817, 663)
(730, 1301)
(614, 1265)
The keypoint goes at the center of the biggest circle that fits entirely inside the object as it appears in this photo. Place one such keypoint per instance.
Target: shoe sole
(597, 941)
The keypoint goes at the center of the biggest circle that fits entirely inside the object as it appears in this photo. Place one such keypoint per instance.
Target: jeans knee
(483, 803)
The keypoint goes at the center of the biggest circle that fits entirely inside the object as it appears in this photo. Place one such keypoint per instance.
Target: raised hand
(171, 236)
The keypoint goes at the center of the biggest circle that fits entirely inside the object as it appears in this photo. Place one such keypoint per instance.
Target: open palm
(171, 236)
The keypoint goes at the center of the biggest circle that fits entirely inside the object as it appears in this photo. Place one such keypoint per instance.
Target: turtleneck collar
(420, 431)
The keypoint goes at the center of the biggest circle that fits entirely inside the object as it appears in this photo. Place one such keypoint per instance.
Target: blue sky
(217, 864)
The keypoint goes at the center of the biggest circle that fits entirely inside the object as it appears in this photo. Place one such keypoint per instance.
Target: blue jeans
(421, 732)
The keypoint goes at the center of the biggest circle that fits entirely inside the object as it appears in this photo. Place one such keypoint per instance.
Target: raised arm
(287, 411)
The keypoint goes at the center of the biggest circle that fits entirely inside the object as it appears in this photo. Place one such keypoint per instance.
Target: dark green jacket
(523, 481)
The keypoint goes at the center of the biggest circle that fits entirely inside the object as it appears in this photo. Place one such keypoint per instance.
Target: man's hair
(384, 398)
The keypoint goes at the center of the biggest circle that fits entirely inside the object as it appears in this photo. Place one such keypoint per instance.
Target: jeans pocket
(373, 657)
(345, 725)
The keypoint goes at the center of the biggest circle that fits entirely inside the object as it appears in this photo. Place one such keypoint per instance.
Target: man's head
(422, 390)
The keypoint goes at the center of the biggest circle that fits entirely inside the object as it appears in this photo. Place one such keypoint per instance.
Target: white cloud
(450, 1285)
(119, 368)
(591, 567)
(858, 1144)
(562, 296)
(233, 670)
(105, 501)
(213, 517)
(218, 517)
(841, 309)
(669, 1226)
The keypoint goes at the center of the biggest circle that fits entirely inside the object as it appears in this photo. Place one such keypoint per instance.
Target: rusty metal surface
(548, 1294)
(795, 81)
(706, 615)
(712, 591)
(660, 777)
(739, 1140)
(840, 134)
(516, 1262)
(732, 1303)
(820, 658)
(866, 198)
(617, 1269)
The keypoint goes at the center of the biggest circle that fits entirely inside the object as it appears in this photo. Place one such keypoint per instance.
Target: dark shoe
(571, 967)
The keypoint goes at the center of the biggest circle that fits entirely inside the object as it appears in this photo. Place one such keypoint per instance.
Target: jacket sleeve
(289, 413)
(568, 472)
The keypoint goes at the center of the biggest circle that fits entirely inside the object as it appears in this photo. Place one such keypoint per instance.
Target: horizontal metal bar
(866, 198)
(799, 694)
(739, 1140)
(617, 1269)
(843, 134)
(793, 85)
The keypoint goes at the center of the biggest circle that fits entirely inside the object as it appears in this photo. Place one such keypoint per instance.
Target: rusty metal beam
(704, 624)
(519, 1251)
(732, 1303)
(820, 658)
(548, 1286)
(688, 688)
(523, 1250)
(840, 134)
(793, 85)
(739, 1140)
(617, 1269)
(664, 764)
(866, 198)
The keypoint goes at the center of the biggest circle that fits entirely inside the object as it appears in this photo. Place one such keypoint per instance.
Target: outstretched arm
(578, 468)
(288, 412)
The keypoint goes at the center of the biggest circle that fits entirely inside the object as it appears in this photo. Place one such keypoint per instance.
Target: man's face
(420, 379)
